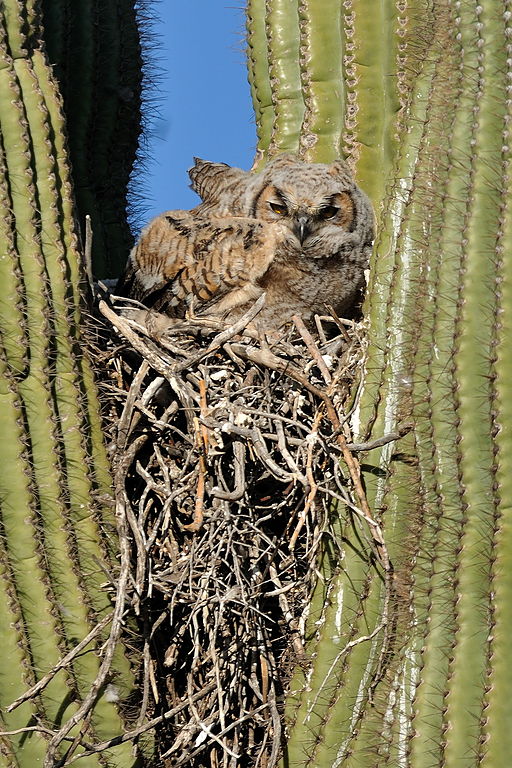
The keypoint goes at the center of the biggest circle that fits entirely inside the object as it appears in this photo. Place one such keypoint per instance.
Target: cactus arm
(321, 75)
(259, 76)
(370, 68)
(75, 27)
(35, 391)
(123, 144)
(282, 25)
(70, 244)
(105, 70)
(114, 128)
(95, 48)
(71, 420)
(438, 313)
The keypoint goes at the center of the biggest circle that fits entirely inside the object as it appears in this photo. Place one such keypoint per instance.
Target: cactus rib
(372, 93)
(282, 28)
(259, 75)
(321, 59)
(11, 305)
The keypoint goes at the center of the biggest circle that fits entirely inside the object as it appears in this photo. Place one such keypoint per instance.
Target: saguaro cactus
(95, 48)
(55, 554)
(416, 673)
(409, 667)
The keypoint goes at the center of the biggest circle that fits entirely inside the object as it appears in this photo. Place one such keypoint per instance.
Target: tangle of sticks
(233, 450)
(232, 456)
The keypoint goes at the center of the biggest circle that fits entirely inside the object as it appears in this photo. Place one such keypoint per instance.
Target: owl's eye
(279, 208)
(328, 212)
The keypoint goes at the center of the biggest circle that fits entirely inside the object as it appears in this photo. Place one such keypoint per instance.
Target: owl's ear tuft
(203, 173)
(204, 165)
(340, 170)
(209, 179)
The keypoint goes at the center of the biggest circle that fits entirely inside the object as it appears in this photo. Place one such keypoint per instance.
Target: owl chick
(300, 232)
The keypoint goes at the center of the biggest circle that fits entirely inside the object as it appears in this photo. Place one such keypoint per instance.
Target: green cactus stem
(423, 114)
(283, 41)
(321, 56)
(259, 74)
(54, 553)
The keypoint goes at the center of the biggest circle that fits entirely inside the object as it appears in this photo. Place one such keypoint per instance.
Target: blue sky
(202, 99)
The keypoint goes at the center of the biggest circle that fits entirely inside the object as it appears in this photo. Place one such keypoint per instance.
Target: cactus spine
(423, 113)
(54, 552)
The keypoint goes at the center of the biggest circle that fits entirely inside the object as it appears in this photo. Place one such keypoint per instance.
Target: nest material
(230, 452)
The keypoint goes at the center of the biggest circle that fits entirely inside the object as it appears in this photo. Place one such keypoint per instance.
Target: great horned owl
(301, 232)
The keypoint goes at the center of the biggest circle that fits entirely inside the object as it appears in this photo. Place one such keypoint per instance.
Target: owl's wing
(182, 259)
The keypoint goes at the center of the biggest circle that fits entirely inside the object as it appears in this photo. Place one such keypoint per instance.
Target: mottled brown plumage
(299, 231)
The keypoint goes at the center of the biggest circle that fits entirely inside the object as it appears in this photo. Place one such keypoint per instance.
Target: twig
(29, 729)
(313, 487)
(239, 467)
(88, 253)
(136, 732)
(351, 644)
(379, 441)
(124, 329)
(62, 664)
(197, 520)
(225, 335)
(312, 348)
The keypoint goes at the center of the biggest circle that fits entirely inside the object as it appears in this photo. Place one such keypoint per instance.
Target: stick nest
(231, 455)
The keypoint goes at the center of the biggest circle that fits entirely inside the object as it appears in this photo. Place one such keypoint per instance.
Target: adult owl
(300, 232)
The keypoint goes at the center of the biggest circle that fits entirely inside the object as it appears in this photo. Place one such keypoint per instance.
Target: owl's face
(318, 204)
(308, 216)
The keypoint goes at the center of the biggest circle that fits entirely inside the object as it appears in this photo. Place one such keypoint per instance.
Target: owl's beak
(301, 228)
